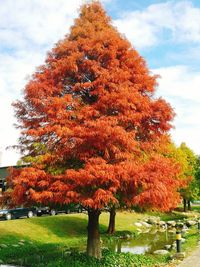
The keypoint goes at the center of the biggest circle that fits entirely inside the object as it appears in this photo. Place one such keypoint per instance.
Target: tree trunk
(111, 227)
(93, 240)
(189, 205)
(184, 205)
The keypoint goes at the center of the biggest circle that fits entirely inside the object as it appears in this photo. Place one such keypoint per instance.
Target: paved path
(192, 261)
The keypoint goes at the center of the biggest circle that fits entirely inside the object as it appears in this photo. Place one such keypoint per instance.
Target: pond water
(143, 243)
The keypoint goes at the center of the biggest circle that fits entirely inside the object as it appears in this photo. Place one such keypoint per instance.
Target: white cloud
(180, 81)
(188, 136)
(36, 22)
(28, 28)
(180, 86)
(13, 72)
(177, 21)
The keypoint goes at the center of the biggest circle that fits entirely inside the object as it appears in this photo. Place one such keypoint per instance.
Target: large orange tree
(87, 117)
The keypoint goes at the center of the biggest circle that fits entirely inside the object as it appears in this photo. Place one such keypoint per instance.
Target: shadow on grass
(65, 225)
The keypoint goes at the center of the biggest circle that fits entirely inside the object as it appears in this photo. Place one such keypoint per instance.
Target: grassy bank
(68, 229)
(50, 241)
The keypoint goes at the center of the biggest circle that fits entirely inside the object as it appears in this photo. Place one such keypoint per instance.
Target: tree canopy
(88, 117)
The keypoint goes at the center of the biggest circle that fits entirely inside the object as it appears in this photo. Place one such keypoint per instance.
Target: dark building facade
(4, 172)
(3, 175)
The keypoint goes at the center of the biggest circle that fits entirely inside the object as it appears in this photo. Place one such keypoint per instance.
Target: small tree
(86, 115)
(197, 175)
(188, 171)
(190, 192)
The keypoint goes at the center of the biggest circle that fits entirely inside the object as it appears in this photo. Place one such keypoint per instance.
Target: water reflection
(136, 249)
(144, 243)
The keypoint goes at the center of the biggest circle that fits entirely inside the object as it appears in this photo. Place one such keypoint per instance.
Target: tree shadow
(66, 225)
(62, 225)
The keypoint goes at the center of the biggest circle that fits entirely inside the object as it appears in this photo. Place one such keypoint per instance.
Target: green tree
(189, 171)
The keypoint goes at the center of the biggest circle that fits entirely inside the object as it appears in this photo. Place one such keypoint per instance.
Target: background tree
(189, 171)
(85, 118)
(197, 175)
(191, 192)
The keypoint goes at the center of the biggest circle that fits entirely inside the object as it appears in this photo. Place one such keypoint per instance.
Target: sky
(165, 33)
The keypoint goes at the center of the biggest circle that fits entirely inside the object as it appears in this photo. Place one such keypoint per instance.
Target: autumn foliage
(89, 123)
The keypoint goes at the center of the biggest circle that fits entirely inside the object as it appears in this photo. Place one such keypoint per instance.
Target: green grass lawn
(66, 229)
(42, 241)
